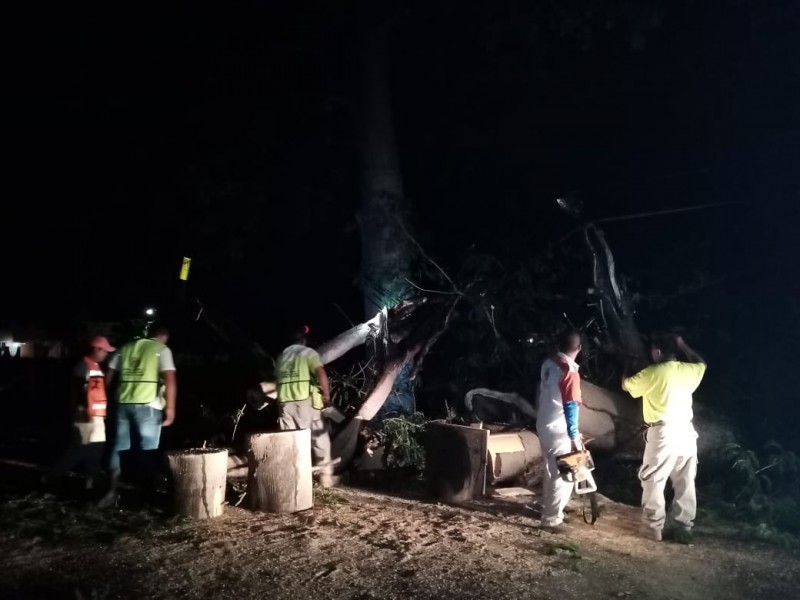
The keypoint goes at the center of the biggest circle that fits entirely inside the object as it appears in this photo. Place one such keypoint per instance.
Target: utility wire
(661, 212)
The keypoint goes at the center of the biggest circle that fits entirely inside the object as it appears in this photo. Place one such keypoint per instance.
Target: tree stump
(279, 478)
(199, 476)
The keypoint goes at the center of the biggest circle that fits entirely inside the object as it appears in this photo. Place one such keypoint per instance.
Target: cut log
(515, 456)
(199, 476)
(506, 458)
(455, 461)
(280, 477)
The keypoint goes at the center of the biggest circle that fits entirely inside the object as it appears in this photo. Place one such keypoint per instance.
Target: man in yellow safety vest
(303, 391)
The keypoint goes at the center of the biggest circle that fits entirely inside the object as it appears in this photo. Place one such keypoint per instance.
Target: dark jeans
(139, 420)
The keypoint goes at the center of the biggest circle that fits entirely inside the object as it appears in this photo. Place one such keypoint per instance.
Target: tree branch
(425, 255)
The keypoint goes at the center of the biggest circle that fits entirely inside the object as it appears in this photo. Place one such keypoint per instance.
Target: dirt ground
(360, 544)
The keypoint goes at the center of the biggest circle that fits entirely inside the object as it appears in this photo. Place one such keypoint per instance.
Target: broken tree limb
(346, 341)
(383, 387)
(615, 304)
(508, 397)
(432, 340)
(280, 478)
(199, 477)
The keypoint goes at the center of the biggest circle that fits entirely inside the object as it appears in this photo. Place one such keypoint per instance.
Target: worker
(88, 408)
(145, 401)
(666, 389)
(303, 391)
(557, 425)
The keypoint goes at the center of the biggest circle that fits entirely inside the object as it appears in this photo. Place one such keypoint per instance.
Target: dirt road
(360, 545)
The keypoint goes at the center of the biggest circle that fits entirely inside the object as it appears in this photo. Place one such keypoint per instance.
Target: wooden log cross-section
(280, 476)
(199, 476)
(455, 461)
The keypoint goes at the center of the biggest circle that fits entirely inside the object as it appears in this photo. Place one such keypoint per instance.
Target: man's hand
(577, 443)
(169, 417)
(326, 401)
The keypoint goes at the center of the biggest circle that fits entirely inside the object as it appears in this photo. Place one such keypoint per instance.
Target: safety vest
(296, 381)
(96, 400)
(138, 372)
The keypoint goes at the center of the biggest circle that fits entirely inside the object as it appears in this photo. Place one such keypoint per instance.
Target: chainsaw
(576, 467)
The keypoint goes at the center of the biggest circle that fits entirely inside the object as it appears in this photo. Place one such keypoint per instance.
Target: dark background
(141, 134)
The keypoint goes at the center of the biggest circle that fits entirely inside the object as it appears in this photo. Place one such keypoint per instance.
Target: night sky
(143, 134)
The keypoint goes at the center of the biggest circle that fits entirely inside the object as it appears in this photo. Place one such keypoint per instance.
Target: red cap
(100, 342)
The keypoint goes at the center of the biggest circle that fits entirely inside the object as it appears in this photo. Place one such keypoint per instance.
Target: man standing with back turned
(666, 389)
(303, 391)
(557, 425)
(145, 400)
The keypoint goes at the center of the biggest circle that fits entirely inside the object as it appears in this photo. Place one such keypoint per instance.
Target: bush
(761, 491)
(403, 440)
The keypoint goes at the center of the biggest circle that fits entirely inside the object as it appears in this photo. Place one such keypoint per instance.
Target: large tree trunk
(385, 250)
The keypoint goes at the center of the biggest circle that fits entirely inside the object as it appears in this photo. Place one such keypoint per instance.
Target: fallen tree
(398, 337)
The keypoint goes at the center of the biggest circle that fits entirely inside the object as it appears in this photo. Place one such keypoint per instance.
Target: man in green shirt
(303, 391)
(144, 371)
(666, 389)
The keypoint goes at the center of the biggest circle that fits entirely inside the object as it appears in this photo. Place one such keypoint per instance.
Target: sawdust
(360, 545)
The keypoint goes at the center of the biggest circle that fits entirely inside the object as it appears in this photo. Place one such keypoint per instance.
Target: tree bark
(279, 478)
(199, 477)
(385, 249)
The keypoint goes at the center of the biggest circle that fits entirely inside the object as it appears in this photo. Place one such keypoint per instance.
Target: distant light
(530, 340)
(150, 312)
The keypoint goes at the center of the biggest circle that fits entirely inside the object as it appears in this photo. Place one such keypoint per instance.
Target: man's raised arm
(691, 355)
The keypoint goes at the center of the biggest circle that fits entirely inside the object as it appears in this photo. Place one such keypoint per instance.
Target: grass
(565, 549)
(327, 496)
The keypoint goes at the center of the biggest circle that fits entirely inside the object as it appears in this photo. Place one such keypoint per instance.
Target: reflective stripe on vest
(138, 368)
(96, 400)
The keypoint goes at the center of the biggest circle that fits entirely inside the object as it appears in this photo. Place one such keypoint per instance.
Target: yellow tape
(185, 268)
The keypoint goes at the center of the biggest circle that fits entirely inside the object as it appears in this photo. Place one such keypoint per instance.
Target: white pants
(302, 415)
(556, 490)
(670, 453)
